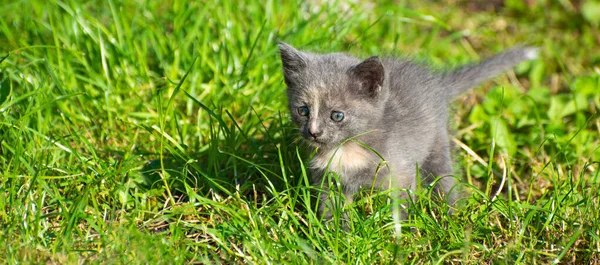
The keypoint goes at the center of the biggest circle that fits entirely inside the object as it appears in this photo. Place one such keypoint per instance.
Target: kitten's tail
(467, 77)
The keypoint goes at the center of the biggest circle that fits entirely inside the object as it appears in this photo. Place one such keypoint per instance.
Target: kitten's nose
(315, 134)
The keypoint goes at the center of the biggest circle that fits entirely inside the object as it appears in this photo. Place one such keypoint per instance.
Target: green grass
(157, 132)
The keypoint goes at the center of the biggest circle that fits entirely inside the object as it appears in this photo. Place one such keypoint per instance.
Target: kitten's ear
(292, 60)
(370, 74)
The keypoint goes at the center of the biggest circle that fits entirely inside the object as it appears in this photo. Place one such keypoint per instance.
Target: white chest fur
(349, 157)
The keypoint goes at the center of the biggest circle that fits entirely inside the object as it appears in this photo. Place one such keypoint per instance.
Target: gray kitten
(374, 122)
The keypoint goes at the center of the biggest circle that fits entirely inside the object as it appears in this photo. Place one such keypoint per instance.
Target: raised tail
(467, 77)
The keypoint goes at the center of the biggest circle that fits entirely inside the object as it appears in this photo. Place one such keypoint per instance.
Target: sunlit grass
(157, 132)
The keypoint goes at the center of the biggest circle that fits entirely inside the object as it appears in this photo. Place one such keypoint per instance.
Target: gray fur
(396, 107)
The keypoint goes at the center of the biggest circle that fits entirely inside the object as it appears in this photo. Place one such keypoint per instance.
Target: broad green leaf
(539, 94)
(478, 114)
(536, 75)
(502, 135)
(564, 105)
(587, 85)
(498, 97)
(591, 12)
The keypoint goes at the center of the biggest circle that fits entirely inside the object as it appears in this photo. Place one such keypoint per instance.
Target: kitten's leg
(330, 200)
(339, 201)
(439, 164)
(401, 181)
(325, 204)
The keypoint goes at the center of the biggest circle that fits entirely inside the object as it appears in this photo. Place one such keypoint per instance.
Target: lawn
(157, 132)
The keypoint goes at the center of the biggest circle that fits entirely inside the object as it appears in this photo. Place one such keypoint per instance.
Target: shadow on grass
(230, 161)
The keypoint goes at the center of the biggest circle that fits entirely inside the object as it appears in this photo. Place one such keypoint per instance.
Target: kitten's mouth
(316, 142)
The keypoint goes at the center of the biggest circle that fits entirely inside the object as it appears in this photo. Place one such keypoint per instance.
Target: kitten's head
(332, 97)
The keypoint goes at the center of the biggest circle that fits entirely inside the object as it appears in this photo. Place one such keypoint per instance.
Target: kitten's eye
(337, 116)
(303, 111)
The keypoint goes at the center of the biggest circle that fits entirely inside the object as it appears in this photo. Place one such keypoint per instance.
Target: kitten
(394, 107)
